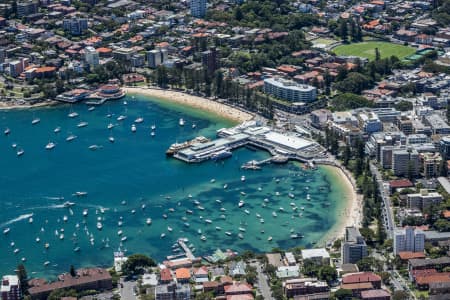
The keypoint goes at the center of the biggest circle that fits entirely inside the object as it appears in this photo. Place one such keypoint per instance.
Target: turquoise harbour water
(135, 170)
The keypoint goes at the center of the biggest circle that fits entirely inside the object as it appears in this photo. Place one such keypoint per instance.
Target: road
(263, 285)
(388, 219)
(127, 289)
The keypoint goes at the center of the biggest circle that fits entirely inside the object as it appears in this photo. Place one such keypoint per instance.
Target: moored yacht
(73, 114)
(20, 152)
(35, 121)
(148, 221)
(121, 118)
(7, 131)
(139, 120)
(181, 122)
(57, 129)
(71, 138)
(133, 128)
(82, 124)
(50, 146)
(111, 139)
(241, 203)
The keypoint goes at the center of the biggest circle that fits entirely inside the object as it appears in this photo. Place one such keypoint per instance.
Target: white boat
(269, 238)
(61, 236)
(212, 180)
(247, 211)
(148, 221)
(261, 221)
(85, 213)
(133, 128)
(170, 229)
(292, 196)
(30, 220)
(24, 259)
(82, 124)
(12, 244)
(281, 208)
(76, 249)
(277, 193)
(203, 238)
(194, 125)
(225, 186)
(188, 211)
(208, 221)
(241, 236)
(308, 197)
(133, 211)
(199, 231)
(243, 193)
(91, 108)
(94, 147)
(200, 207)
(181, 122)
(163, 235)
(65, 218)
(153, 127)
(111, 139)
(80, 194)
(123, 239)
(274, 214)
(119, 232)
(228, 233)
(139, 120)
(241, 203)
(99, 226)
(152, 133)
(14, 145)
(258, 215)
(35, 121)
(110, 126)
(20, 152)
(57, 129)
(242, 229)
(47, 245)
(242, 178)
(46, 263)
(50, 146)
(73, 114)
(71, 138)
(68, 204)
(7, 131)
(218, 228)
(223, 209)
(218, 201)
(121, 118)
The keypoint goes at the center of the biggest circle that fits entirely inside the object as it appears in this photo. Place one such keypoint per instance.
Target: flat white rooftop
(313, 253)
(291, 142)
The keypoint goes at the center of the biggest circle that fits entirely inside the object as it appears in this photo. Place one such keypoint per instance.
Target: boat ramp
(282, 145)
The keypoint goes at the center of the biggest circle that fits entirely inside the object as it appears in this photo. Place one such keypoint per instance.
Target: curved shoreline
(220, 109)
(349, 213)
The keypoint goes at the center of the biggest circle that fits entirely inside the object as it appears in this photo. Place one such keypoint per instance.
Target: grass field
(367, 49)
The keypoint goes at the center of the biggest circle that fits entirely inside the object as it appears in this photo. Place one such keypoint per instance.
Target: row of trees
(218, 86)
(347, 29)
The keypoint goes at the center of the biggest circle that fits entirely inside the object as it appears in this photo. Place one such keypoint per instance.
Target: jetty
(186, 249)
(283, 146)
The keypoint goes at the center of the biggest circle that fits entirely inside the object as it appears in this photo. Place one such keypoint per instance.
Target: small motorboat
(139, 120)
(57, 129)
(82, 124)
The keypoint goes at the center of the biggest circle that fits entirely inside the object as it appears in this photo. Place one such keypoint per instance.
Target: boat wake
(19, 218)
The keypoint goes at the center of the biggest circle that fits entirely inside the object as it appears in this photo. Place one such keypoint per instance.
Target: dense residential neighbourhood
(368, 80)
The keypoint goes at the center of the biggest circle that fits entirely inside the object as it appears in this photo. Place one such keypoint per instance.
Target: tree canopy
(136, 264)
(348, 101)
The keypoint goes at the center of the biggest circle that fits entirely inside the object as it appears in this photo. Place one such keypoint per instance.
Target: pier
(283, 146)
(186, 249)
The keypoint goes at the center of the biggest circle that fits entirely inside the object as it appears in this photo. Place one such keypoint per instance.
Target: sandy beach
(217, 108)
(351, 212)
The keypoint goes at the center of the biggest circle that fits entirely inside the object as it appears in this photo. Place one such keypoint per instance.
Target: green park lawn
(367, 50)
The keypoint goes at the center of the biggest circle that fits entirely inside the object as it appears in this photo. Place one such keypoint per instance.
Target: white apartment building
(408, 239)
